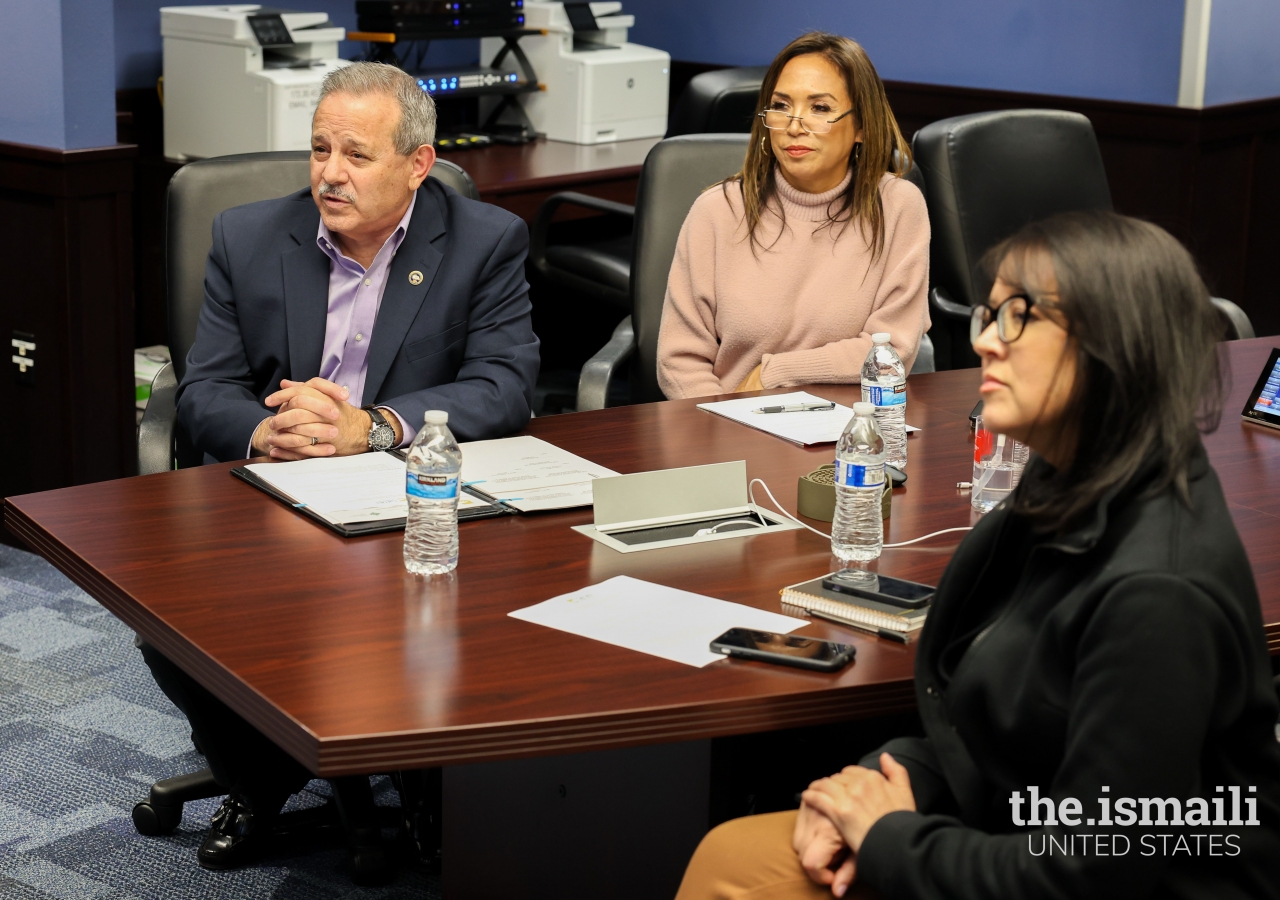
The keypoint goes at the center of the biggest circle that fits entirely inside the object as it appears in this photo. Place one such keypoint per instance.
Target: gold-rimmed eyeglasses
(814, 123)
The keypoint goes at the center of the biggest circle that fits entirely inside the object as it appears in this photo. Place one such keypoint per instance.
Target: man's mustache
(327, 188)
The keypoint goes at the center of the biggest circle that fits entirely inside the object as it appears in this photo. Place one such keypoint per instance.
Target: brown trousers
(752, 859)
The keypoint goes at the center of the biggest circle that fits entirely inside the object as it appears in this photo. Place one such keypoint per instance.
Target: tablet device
(1263, 405)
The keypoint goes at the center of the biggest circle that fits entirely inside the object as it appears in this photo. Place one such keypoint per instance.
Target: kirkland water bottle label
(853, 475)
(432, 487)
(885, 396)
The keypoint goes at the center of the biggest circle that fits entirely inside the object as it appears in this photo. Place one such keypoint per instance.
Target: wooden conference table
(353, 666)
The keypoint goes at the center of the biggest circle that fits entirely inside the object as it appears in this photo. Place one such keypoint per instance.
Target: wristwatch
(381, 436)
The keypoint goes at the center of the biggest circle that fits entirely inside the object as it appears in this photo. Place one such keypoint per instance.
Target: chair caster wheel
(368, 866)
(155, 821)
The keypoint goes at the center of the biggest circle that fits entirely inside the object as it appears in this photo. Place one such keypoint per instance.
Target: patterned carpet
(84, 732)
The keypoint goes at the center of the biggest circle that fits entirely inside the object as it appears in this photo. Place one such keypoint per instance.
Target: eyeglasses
(1010, 317)
(780, 120)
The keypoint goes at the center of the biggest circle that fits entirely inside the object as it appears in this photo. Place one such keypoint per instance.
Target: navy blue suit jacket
(461, 340)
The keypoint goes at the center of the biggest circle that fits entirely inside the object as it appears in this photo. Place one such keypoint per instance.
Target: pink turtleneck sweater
(805, 307)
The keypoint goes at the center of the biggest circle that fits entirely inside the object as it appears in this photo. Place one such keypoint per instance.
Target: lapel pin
(415, 277)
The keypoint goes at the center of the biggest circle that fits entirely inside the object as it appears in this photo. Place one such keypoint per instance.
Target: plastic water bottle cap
(436, 417)
(862, 408)
(880, 337)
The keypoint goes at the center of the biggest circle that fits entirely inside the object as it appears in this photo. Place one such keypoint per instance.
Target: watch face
(381, 437)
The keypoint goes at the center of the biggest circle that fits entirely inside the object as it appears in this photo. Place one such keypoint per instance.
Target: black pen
(878, 632)
(797, 407)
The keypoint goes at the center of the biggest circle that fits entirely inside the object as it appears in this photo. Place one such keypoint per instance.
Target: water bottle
(884, 385)
(434, 469)
(857, 533)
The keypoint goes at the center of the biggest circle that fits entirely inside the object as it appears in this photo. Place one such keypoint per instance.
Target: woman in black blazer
(1093, 678)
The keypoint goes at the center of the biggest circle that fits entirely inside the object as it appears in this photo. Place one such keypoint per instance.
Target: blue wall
(87, 60)
(1244, 51)
(55, 64)
(1110, 49)
(138, 43)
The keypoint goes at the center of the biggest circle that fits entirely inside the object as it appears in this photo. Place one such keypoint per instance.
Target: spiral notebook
(811, 596)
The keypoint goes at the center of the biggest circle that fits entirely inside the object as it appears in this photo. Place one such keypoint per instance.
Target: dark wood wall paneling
(66, 244)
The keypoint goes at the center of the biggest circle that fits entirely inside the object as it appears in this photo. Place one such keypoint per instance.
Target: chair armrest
(940, 302)
(546, 212)
(155, 432)
(1238, 320)
(924, 361)
(597, 373)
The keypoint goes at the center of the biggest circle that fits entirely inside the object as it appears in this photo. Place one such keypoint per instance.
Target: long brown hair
(870, 160)
(1147, 378)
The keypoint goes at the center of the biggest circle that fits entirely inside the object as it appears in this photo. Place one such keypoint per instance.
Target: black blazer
(1128, 654)
(461, 340)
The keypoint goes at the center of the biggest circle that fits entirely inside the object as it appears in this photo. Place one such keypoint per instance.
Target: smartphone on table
(784, 649)
(882, 588)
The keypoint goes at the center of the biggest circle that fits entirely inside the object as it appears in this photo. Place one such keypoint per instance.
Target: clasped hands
(314, 409)
(837, 812)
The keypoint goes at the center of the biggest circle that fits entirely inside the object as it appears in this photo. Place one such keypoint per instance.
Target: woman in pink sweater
(783, 273)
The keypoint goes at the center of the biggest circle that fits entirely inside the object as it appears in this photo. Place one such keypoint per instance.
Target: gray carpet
(84, 732)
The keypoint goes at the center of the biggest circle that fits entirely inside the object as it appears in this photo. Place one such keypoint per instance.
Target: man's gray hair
(417, 109)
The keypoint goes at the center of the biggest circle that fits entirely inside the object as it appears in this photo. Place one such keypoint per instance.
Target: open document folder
(365, 494)
(353, 495)
(651, 618)
(804, 428)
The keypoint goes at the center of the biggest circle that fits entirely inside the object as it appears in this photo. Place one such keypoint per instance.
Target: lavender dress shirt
(355, 293)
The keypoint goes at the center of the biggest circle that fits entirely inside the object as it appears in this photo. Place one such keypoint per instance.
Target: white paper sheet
(347, 489)
(650, 618)
(803, 428)
(342, 489)
(530, 474)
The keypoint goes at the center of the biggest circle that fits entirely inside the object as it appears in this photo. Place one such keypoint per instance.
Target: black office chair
(987, 175)
(593, 257)
(197, 194)
(719, 102)
(675, 173)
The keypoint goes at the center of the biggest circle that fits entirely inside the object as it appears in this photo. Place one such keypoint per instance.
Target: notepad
(804, 428)
(652, 618)
(813, 597)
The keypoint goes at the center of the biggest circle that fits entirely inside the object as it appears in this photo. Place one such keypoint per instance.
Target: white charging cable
(701, 532)
(751, 493)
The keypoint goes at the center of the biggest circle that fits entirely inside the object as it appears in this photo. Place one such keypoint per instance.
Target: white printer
(599, 88)
(242, 78)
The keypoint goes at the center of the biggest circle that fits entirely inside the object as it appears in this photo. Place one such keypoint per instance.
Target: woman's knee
(737, 854)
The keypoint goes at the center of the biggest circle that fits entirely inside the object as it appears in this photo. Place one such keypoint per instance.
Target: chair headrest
(723, 101)
(988, 174)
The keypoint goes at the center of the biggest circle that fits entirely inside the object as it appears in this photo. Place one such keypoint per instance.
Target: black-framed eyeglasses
(780, 120)
(1010, 317)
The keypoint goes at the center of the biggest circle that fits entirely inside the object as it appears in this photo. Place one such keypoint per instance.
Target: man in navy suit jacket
(292, 298)
(333, 319)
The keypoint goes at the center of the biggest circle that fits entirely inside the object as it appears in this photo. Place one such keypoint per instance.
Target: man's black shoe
(237, 835)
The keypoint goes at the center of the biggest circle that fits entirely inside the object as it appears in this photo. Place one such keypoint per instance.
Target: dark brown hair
(871, 112)
(1144, 335)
